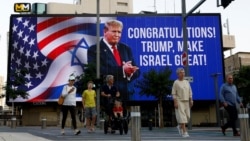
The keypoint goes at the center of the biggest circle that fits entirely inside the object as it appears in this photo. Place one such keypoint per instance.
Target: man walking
(230, 99)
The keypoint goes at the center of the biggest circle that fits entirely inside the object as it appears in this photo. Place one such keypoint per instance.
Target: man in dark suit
(115, 58)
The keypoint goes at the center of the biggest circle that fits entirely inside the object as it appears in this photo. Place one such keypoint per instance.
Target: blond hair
(113, 23)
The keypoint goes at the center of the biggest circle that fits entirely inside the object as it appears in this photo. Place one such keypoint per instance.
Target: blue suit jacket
(108, 63)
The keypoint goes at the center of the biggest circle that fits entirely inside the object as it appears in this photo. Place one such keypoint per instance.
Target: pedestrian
(230, 100)
(69, 104)
(116, 58)
(182, 96)
(109, 93)
(118, 109)
(89, 105)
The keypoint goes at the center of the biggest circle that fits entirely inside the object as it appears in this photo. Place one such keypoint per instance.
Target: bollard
(44, 120)
(135, 123)
(102, 124)
(244, 125)
(13, 122)
(150, 122)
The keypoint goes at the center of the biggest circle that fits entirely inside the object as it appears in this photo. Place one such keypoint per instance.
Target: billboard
(52, 47)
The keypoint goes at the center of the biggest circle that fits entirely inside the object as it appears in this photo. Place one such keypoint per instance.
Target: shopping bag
(60, 100)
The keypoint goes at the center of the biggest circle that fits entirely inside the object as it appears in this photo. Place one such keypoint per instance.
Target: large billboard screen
(52, 47)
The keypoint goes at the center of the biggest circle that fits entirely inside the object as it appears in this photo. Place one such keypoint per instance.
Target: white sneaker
(62, 132)
(77, 132)
(185, 135)
(179, 130)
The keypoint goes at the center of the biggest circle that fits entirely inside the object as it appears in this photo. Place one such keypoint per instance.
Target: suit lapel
(108, 53)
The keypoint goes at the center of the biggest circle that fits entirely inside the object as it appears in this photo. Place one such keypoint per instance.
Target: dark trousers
(233, 116)
(65, 110)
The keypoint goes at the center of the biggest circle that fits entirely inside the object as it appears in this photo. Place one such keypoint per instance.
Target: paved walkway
(35, 133)
(14, 136)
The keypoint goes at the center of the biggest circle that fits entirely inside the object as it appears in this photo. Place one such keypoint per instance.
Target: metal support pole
(184, 30)
(155, 116)
(185, 48)
(244, 125)
(215, 77)
(227, 26)
(98, 59)
(185, 40)
(135, 123)
(195, 7)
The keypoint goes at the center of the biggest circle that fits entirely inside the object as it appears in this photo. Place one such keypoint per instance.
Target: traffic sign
(189, 78)
(184, 59)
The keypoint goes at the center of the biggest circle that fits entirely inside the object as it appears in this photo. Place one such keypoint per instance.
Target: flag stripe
(51, 22)
(62, 48)
(57, 42)
(59, 34)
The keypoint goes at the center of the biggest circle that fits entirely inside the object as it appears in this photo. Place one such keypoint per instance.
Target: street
(35, 133)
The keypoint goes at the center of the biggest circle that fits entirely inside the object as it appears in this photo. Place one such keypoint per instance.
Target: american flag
(51, 49)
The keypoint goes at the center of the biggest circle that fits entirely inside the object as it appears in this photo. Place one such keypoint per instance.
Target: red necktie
(117, 56)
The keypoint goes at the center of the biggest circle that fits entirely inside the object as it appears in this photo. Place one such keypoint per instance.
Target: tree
(157, 84)
(15, 86)
(242, 81)
(89, 74)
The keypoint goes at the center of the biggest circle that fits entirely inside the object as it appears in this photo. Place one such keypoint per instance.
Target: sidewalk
(9, 136)
(35, 133)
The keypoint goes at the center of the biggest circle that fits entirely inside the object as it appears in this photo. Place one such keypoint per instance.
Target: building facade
(85, 6)
(2, 99)
(234, 62)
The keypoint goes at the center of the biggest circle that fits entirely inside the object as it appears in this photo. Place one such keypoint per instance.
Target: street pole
(226, 25)
(184, 30)
(98, 59)
(185, 40)
(215, 77)
(185, 48)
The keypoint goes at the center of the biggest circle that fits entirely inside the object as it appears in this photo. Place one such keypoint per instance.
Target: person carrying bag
(69, 104)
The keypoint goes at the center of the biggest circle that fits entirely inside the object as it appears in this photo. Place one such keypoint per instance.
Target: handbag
(60, 100)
